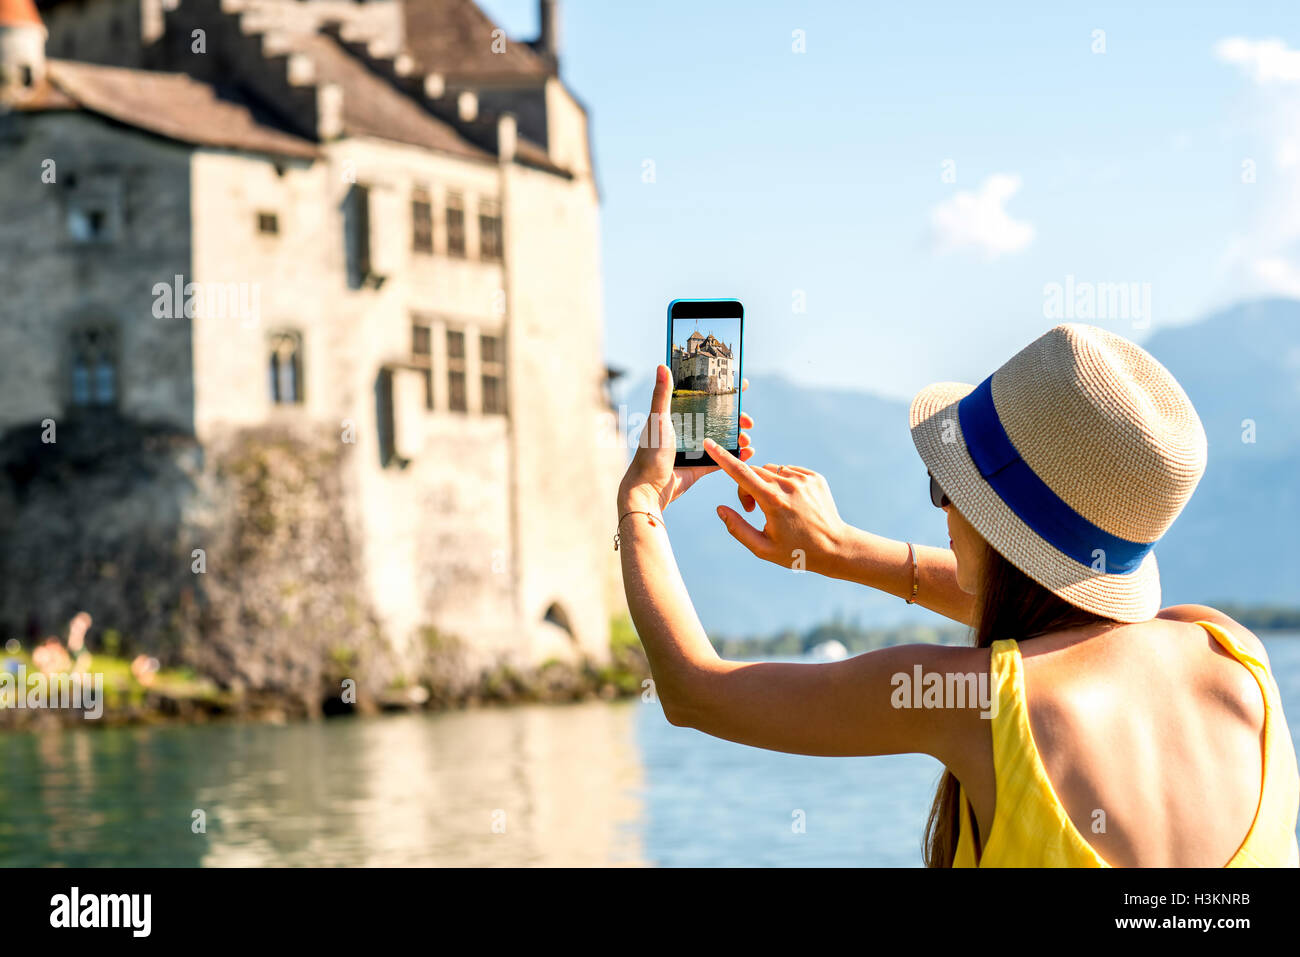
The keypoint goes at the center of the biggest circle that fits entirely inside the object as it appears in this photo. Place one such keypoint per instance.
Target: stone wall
(232, 559)
(282, 606)
(567, 460)
(434, 540)
(53, 284)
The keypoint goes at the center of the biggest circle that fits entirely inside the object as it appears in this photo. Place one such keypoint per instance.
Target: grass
(121, 687)
(628, 667)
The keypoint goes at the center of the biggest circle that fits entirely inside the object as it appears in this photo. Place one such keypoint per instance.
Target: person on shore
(1086, 726)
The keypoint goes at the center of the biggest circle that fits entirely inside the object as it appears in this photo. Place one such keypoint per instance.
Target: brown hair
(1011, 605)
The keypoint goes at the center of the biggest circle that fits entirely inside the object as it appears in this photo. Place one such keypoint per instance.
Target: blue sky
(818, 178)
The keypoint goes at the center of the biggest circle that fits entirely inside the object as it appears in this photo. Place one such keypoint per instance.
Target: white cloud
(1264, 61)
(979, 221)
(1278, 275)
(1264, 257)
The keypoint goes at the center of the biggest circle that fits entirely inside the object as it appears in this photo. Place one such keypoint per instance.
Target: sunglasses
(936, 494)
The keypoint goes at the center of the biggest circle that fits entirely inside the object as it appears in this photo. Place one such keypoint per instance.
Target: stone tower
(22, 50)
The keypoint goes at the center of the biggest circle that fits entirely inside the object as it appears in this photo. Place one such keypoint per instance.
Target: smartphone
(705, 344)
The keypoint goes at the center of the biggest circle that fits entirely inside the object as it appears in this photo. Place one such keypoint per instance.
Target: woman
(1112, 732)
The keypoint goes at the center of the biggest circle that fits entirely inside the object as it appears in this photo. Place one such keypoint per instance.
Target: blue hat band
(1028, 496)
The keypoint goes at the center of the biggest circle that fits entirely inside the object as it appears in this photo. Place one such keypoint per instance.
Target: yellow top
(1031, 828)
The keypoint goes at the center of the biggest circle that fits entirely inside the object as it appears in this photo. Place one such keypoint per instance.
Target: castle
(704, 365)
(337, 254)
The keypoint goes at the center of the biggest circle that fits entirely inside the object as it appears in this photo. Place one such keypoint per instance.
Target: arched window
(93, 367)
(285, 367)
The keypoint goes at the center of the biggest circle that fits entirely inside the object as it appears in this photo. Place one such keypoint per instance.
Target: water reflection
(715, 417)
(587, 784)
(560, 784)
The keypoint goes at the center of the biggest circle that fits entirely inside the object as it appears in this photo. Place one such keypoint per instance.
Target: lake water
(715, 417)
(587, 784)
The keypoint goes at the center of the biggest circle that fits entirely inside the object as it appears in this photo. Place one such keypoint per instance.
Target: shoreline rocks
(553, 682)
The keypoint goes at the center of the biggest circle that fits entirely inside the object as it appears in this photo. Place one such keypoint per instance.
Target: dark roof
(179, 107)
(714, 346)
(454, 38)
(169, 104)
(372, 106)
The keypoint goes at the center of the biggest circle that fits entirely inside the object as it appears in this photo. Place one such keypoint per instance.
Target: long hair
(1011, 605)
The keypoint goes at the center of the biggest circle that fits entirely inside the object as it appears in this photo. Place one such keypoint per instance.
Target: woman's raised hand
(804, 529)
(651, 479)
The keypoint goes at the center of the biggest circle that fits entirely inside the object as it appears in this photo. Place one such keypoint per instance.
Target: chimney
(467, 106)
(548, 41)
(507, 137)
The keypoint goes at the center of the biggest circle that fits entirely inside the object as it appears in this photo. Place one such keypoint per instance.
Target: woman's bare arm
(864, 705)
(675, 643)
(838, 708)
(884, 564)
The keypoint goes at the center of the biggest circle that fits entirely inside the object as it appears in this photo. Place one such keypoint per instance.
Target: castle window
(356, 231)
(421, 221)
(421, 341)
(268, 223)
(457, 398)
(94, 367)
(361, 227)
(455, 224)
(94, 206)
(386, 421)
(492, 359)
(422, 356)
(489, 230)
(27, 77)
(87, 225)
(285, 367)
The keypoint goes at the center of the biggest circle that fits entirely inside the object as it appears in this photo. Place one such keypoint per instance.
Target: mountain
(1236, 540)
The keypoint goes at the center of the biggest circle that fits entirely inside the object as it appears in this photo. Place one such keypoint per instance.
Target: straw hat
(1071, 460)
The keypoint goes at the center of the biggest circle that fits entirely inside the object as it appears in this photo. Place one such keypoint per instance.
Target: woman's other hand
(804, 529)
(651, 481)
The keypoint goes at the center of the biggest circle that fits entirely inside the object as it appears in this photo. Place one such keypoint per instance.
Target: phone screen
(704, 354)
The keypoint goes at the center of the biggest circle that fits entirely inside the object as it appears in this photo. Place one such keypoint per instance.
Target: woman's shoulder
(1193, 613)
(1077, 640)
(1081, 665)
